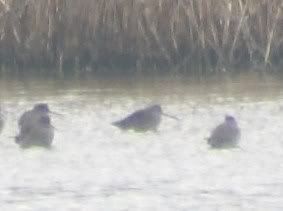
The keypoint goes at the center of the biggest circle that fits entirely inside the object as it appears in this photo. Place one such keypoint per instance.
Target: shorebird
(147, 119)
(35, 127)
(225, 135)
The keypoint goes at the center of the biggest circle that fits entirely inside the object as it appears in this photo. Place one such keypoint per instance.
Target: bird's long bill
(55, 113)
(170, 116)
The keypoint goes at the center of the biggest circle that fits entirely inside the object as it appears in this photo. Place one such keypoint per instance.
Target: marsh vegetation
(177, 36)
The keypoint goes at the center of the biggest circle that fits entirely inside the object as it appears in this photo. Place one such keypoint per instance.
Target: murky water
(94, 166)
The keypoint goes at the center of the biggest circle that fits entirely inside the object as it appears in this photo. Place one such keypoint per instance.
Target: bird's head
(41, 107)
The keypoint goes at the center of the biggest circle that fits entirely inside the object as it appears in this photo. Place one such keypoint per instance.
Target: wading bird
(225, 135)
(35, 127)
(147, 119)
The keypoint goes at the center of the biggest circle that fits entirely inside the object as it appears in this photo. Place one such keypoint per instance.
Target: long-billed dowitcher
(35, 127)
(147, 119)
(225, 135)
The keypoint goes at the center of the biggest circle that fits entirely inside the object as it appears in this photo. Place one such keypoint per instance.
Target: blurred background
(96, 61)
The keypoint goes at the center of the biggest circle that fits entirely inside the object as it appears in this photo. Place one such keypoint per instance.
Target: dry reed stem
(242, 19)
(271, 35)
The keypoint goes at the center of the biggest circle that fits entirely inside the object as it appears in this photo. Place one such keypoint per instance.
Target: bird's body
(225, 135)
(35, 128)
(147, 119)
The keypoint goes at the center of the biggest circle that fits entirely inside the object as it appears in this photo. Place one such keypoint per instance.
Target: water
(94, 166)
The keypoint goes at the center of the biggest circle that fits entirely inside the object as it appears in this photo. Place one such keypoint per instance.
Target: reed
(177, 36)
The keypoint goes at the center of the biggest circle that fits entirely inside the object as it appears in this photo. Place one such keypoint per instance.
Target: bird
(35, 127)
(147, 119)
(225, 135)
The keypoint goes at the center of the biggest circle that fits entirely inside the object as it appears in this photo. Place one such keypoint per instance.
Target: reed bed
(117, 36)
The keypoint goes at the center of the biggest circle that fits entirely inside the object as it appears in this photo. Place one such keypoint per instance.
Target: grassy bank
(136, 35)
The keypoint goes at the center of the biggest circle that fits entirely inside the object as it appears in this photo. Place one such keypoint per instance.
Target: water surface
(94, 166)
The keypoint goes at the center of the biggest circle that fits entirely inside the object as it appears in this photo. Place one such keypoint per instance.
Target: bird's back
(28, 120)
(33, 131)
(141, 120)
(224, 136)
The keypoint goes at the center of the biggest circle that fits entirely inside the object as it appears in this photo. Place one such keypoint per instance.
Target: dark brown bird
(147, 119)
(35, 127)
(225, 135)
